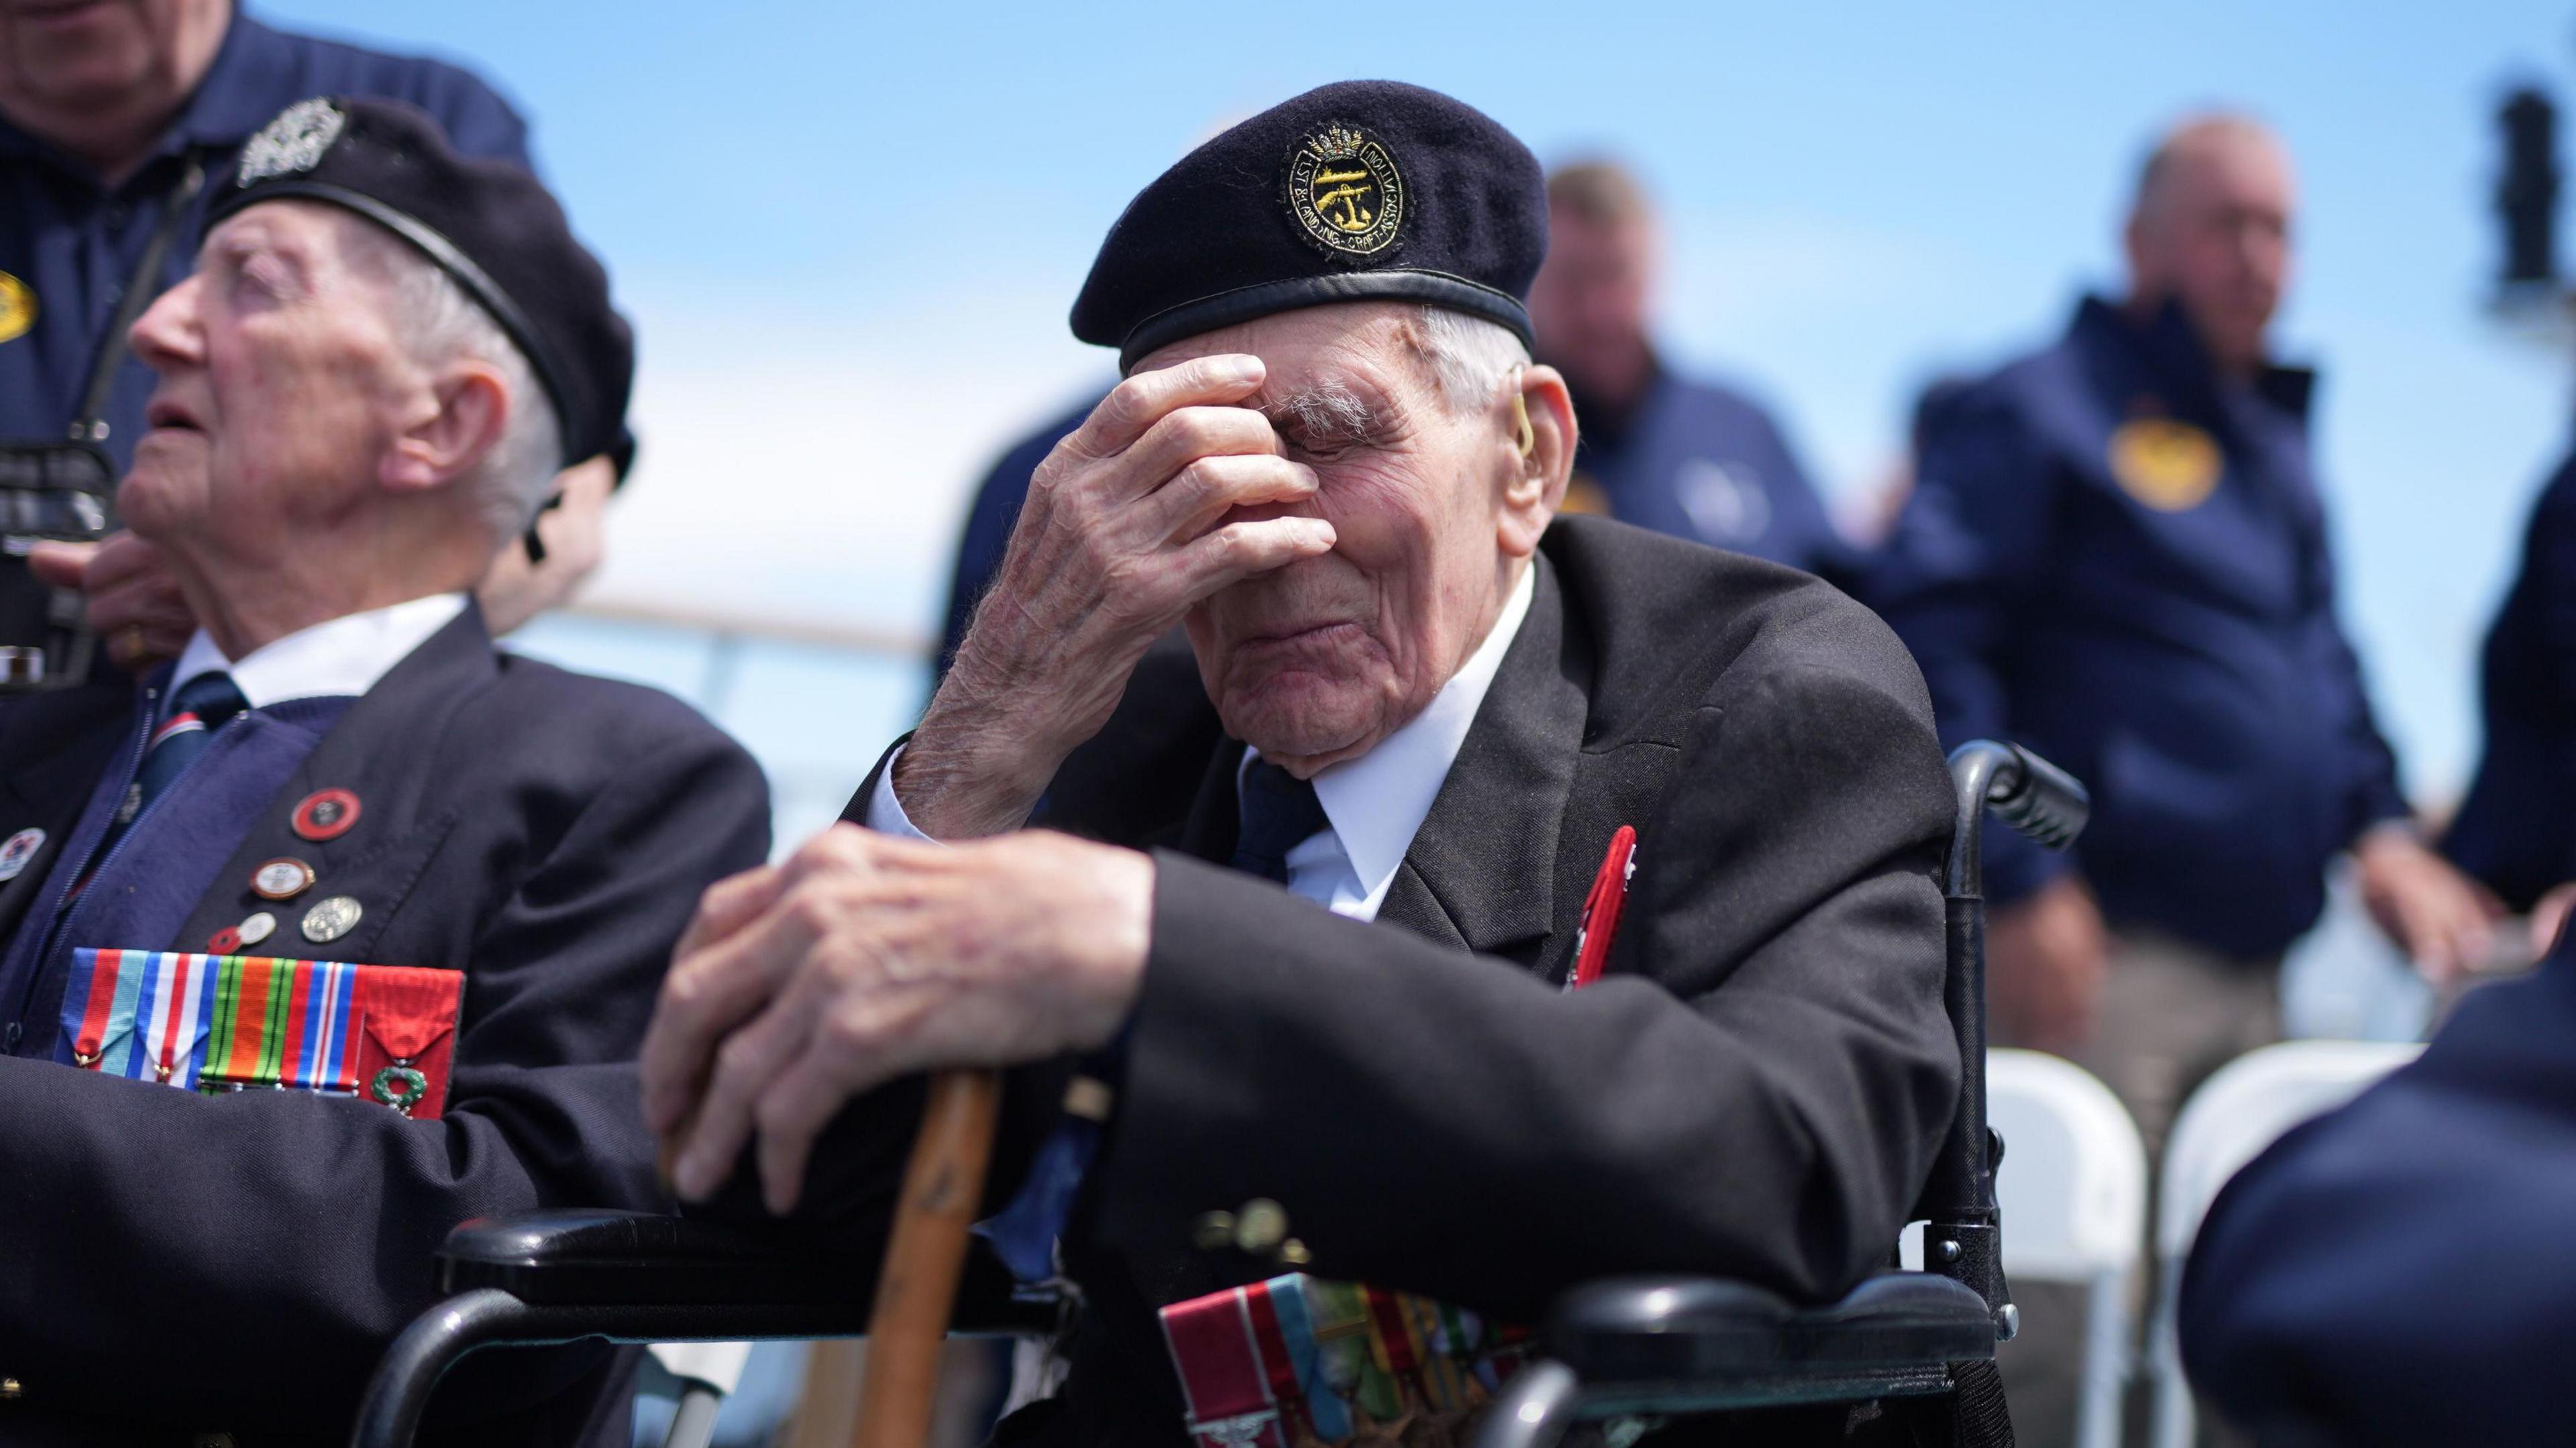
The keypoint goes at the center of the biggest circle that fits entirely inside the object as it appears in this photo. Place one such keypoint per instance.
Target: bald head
(2211, 228)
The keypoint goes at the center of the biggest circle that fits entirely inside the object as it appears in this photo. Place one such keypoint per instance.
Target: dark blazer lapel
(384, 749)
(1481, 870)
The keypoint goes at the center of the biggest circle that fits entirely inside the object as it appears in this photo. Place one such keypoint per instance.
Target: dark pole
(2527, 196)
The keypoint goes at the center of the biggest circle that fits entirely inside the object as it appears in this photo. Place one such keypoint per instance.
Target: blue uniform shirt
(2517, 830)
(2119, 559)
(1699, 461)
(73, 243)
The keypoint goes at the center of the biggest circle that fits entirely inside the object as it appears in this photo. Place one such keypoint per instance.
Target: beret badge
(1345, 192)
(293, 142)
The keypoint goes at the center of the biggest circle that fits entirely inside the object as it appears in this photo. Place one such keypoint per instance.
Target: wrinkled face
(1317, 662)
(2216, 234)
(283, 382)
(1589, 302)
(76, 54)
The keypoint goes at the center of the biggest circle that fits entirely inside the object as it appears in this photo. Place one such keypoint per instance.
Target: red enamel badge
(226, 941)
(326, 814)
(1602, 908)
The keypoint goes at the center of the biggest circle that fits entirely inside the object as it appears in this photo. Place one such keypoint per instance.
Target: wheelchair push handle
(2040, 800)
(2023, 790)
(2049, 805)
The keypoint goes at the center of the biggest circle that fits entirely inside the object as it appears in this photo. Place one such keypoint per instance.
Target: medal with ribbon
(1298, 1360)
(220, 1023)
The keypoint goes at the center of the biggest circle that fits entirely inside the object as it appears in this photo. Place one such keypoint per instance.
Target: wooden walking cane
(925, 1252)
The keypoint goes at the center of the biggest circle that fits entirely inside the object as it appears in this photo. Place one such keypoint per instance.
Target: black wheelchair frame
(1625, 1347)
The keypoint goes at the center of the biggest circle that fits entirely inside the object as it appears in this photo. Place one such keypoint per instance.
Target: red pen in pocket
(1602, 907)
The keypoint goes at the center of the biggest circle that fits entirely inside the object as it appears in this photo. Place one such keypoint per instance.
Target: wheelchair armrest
(1646, 1330)
(602, 1258)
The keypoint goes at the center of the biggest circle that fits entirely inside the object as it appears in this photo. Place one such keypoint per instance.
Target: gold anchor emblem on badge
(1345, 190)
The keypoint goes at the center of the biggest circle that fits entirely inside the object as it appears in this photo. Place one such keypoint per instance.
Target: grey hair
(1470, 357)
(443, 324)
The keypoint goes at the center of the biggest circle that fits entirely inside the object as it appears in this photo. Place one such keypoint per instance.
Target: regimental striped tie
(201, 706)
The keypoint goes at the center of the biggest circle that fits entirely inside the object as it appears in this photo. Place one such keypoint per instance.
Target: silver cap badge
(293, 142)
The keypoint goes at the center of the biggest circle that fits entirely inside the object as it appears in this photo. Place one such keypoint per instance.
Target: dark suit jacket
(2398, 1271)
(1756, 1088)
(175, 1263)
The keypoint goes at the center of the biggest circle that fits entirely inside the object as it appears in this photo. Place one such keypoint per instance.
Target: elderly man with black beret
(1310, 894)
(388, 904)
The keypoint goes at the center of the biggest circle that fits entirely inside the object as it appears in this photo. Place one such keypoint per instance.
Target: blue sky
(849, 234)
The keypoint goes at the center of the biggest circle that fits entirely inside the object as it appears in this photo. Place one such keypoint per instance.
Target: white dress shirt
(341, 656)
(1376, 803)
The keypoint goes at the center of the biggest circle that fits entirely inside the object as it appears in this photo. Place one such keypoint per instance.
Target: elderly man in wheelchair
(1481, 905)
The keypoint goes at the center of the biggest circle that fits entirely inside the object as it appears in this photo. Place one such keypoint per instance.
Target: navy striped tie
(201, 706)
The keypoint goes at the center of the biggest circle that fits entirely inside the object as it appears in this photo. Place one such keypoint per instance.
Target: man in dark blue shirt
(104, 110)
(2117, 553)
(2517, 830)
(1684, 457)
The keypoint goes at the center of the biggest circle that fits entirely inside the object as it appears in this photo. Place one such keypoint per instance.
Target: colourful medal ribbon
(1222, 1378)
(323, 1060)
(1444, 1383)
(103, 1039)
(179, 999)
(1278, 1361)
(1326, 1401)
(215, 1022)
(1392, 1343)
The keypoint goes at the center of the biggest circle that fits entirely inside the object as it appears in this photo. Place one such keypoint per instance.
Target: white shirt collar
(1377, 802)
(341, 656)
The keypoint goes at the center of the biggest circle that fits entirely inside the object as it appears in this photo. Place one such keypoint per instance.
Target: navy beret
(1358, 191)
(489, 224)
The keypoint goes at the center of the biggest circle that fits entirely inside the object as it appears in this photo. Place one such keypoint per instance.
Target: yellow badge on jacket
(17, 307)
(2170, 466)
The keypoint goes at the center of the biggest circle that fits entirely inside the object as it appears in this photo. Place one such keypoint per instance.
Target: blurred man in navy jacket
(1660, 450)
(2517, 830)
(2116, 552)
(2398, 1271)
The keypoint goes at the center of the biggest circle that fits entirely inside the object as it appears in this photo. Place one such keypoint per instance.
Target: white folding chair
(2073, 1186)
(2244, 1107)
(697, 1376)
(2074, 1192)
